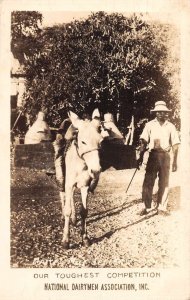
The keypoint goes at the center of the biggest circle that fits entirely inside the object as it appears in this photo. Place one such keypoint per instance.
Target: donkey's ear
(74, 119)
(96, 113)
(72, 115)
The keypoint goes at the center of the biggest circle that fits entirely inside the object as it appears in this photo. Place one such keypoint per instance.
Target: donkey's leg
(62, 197)
(67, 213)
(84, 212)
(73, 210)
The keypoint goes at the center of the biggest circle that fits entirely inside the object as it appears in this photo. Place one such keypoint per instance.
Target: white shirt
(160, 136)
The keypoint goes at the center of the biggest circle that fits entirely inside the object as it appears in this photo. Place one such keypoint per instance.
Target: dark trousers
(158, 165)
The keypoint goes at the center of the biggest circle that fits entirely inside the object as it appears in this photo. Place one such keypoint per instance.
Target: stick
(131, 179)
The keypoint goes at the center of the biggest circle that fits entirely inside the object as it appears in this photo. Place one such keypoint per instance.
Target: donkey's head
(88, 143)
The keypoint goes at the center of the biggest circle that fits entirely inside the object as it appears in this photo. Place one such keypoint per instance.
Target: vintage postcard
(95, 146)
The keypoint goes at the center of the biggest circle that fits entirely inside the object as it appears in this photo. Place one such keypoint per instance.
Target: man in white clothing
(159, 136)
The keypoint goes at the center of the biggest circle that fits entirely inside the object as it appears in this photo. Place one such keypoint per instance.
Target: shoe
(143, 212)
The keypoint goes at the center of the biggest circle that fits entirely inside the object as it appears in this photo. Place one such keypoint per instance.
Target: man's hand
(174, 167)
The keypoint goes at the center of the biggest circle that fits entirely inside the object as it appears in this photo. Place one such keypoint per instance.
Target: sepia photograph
(96, 136)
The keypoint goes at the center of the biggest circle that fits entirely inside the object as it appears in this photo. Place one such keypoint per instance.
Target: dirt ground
(119, 236)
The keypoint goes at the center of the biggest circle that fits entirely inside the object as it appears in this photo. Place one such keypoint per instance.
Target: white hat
(160, 106)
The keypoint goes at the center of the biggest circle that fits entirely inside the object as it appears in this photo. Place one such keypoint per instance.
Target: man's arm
(175, 141)
(175, 154)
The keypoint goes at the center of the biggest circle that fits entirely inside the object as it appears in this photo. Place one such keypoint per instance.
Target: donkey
(83, 168)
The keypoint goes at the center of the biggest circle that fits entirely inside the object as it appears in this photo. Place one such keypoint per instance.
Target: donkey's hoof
(86, 242)
(65, 245)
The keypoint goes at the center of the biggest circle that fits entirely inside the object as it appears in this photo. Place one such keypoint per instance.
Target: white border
(19, 283)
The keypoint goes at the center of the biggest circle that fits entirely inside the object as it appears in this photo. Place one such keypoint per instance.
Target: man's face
(162, 115)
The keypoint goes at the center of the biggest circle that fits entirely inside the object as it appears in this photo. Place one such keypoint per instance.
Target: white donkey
(82, 170)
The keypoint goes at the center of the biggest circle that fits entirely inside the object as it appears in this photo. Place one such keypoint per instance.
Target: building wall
(18, 88)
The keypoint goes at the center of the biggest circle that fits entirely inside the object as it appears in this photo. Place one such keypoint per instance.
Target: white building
(17, 83)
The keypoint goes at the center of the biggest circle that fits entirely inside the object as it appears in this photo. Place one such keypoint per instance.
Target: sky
(51, 18)
(59, 17)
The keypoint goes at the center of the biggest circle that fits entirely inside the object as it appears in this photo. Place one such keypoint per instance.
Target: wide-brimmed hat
(160, 106)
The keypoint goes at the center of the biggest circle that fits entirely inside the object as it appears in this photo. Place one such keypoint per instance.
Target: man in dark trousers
(159, 136)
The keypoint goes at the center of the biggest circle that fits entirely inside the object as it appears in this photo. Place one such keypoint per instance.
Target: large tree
(25, 27)
(106, 61)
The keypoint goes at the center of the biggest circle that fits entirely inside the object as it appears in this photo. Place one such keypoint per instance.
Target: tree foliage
(106, 61)
(170, 67)
(25, 27)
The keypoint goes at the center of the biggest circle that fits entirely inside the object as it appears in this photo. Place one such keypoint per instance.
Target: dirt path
(120, 237)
